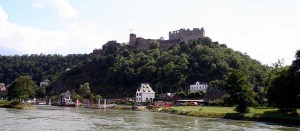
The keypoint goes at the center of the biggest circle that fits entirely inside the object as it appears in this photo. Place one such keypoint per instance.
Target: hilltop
(117, 72)
(116, 69)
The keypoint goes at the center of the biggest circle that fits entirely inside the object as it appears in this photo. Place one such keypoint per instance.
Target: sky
(266, 30)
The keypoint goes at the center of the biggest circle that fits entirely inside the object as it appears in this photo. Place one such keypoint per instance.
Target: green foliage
(98, 97)
(22, 88)
(84, 90)
(40, 67)
(284, 87)
(75, 97)
(9, 104)
(239, 90)
(217, 102)
(119, 72)
(154, 44)
(55, 97)
(40, 92)
(181, 94)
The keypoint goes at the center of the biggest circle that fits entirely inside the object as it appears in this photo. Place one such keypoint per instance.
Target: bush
(10, 104)
(3, 102)
(242, 108)
(218, 102)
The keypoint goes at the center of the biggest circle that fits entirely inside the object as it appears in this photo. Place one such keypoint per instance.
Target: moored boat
(65, 100)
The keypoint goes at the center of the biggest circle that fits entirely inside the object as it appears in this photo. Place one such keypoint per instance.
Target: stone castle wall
(187, 34)
(141, 44)
(166, 44)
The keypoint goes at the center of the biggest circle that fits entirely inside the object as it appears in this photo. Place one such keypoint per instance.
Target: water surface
(59, 118)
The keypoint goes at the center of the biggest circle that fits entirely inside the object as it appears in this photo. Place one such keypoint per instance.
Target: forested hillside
(118, 74)
(40, 67)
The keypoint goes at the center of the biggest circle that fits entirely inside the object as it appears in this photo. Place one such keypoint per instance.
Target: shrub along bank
(14, 104)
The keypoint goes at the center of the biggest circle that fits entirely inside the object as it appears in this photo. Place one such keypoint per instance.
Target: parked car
(193, 104)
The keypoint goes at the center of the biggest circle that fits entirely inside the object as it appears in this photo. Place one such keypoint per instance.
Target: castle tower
(132, 39)
(203, 32)
(187, 34)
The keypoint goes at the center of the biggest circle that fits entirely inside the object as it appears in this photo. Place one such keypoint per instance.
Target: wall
(187, 34)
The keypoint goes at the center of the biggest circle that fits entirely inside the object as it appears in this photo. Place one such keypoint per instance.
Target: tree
(76, 97)
(284, 87)
(154, 44)
(98, 97)
(22, 88)
(40, 91)
(239, 91)
(84, 90)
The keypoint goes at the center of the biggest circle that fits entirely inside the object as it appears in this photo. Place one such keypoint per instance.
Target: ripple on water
(58, 118)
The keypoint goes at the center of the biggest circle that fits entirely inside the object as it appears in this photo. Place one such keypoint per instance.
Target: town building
(199, 87)
(2, 87)
(170, 97)
(65, 98)
(144, 93)
(44, 82)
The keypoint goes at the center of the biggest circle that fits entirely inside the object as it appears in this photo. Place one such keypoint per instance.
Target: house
(65, 99)
(170, 97)
(199, 87)
(144, 93)
(2, 87)
(44, 82)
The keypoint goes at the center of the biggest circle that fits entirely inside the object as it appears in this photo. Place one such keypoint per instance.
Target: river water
(46, 118)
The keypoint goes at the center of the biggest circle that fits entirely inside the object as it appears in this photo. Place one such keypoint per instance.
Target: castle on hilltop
(138, 44)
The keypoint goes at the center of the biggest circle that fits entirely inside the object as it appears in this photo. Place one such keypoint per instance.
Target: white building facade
(145, 93)
(199, 87)
(65, 98)
(2, 87)
(44, 82)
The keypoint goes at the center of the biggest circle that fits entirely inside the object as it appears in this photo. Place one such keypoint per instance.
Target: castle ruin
(187, 34)
(175, 37)
(137, 44)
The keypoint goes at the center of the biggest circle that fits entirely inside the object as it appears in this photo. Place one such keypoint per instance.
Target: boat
(42, 103)
(65, 100)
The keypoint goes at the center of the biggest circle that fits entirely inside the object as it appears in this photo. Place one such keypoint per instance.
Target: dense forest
(118, 73)
(40, 67)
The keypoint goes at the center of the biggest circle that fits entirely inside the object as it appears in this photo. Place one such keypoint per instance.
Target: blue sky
(266, 30)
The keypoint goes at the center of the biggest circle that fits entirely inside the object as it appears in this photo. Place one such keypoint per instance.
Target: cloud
(38, 4)
(78, 37)
(65, 10)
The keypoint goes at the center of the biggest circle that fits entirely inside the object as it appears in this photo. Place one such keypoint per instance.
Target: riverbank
(127, 107)
(256, 114)
(15, 104)
(262, 114)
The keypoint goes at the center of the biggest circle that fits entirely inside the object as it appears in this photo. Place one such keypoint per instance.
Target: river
(58, 118)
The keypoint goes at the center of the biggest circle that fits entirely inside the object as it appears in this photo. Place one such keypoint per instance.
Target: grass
(266, 114)
(121, 107)
(14, 104)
